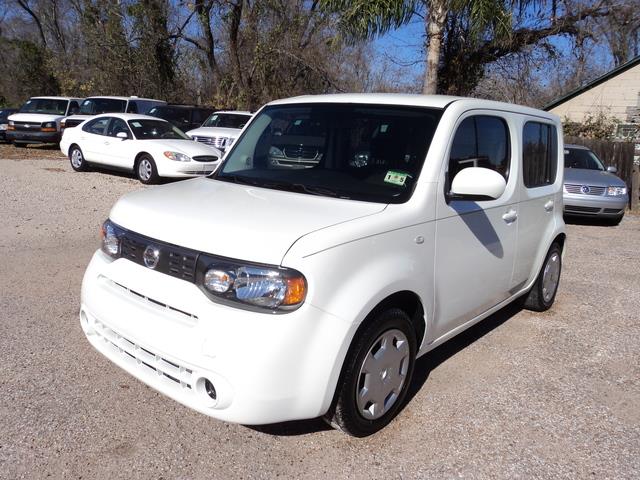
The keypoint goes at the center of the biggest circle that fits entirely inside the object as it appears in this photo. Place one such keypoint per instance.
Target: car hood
(231, 220)
(596, 178)
(214, 132)
(188, 147)
(34, 117)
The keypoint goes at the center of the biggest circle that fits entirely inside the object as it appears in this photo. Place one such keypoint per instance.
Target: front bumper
(21, 136)
(186, 169)
(594, 206)
(265, 368)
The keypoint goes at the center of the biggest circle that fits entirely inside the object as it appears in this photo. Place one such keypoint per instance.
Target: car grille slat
(218, 142)
(579, 209)
(26, 125)
(579, 189)
(205, 158)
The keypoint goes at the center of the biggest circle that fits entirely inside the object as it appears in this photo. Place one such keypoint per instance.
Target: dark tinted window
(74, 108)
(539, 154)
(4, 114)
(177, 116)
(116, 126)
(97, 126)
(132, 107)
(45, 105)
(362, 152)
(199, 115)
(579, 158)
(480, 141)
(96, 106)
(227, 120)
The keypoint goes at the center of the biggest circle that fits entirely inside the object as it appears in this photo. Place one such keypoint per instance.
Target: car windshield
(155, 130)
(580, 158)
(226, 120)
(96, 106)
(362, 152)
(45, 105)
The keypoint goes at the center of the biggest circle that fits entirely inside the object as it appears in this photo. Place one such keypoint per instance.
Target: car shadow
(423, 368)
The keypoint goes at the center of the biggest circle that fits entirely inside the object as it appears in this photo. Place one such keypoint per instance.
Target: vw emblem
(151, 256)
(585, 189)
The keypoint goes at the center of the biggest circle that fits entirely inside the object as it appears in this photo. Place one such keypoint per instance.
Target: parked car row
(142, 135)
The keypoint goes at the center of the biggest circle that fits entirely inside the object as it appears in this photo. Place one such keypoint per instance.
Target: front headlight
(259, 286)
(111, 236)
(616, 191)
(177, 156)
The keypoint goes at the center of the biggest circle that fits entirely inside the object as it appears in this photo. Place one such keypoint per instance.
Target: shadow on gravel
(424, 366)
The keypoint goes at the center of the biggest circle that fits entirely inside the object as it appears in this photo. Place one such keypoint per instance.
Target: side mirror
(612, 169)
(478, 183)
(122, 135)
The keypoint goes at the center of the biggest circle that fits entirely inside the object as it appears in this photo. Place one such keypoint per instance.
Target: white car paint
(121, 153)
(463, 259)
(219, 137)
(27, 127)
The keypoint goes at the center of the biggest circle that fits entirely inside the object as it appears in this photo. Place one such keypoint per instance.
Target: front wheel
(146, 170)
(375, 376)
(543, 293)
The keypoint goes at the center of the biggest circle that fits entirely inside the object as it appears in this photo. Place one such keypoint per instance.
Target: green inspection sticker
(397, 178)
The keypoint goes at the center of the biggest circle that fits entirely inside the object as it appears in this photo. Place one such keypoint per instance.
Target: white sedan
(149, 146)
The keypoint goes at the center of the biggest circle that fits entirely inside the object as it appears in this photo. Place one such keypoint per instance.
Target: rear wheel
(78, 163)
(146, 170)
(543, 293)
(375, 376)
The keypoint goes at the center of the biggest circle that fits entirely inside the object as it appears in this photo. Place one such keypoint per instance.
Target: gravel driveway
(521, 395)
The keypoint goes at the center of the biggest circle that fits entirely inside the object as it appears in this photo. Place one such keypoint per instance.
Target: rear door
(118, 152)
(93, 138)
(475, 240)
(541, 197)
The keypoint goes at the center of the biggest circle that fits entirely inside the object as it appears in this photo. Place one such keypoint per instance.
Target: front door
(475, 239)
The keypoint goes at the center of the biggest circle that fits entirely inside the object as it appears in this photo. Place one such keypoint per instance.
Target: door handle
(548, 206)
(510, 217)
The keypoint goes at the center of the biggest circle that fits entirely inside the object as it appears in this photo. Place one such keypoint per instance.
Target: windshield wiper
(239, 179)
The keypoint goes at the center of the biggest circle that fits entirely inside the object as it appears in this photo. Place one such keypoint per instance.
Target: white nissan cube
(342, 237)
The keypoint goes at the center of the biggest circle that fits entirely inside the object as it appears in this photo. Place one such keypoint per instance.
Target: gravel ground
(521, 395)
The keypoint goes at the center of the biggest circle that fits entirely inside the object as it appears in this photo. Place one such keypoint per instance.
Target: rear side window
(539, 154)
(97, 126)
(132, 107)
(481, 141)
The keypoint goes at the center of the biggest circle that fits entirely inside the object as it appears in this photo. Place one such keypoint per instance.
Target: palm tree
(366, 19)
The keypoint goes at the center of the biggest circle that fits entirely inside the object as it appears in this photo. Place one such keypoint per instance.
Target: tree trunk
(437, 14)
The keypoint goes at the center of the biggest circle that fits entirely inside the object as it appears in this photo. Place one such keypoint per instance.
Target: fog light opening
(210, 389)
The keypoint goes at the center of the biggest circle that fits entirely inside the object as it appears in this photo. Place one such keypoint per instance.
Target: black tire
(345, 413)
(77, 160)
(542, 295)
(146, 170)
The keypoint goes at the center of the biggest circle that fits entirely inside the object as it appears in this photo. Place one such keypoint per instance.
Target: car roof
(133, 97)
(233, 112)
(577, 147)
(55, 98)
(432, 101)
(129, 116)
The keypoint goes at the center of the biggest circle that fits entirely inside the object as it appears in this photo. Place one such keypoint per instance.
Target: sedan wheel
(543, 293)
(78, 163)
(146, 170)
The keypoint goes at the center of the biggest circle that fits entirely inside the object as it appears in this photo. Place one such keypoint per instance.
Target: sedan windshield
(226, 120)
(579, 158)
(362, 152)
(155, 130)
(45, 105)
(96, 106)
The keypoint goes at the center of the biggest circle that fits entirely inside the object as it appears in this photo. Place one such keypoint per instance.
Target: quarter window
(97, 126)
(481, 141)
(539, 154)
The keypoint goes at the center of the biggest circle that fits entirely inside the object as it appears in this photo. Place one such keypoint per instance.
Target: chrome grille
(26, 125)
(307, 153)
(218, 142)
(145, 359)
(584, 189)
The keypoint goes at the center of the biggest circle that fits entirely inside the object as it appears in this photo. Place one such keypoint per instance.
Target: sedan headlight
(177, 156)
(616, 191)
(111, 236)
(255, 286)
